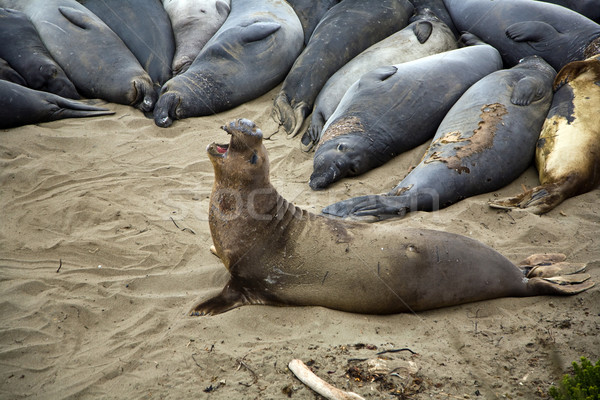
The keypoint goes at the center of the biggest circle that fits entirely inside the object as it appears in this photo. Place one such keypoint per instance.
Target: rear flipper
(560, 285)
(543, 259)
(538, 200)
(549, 265)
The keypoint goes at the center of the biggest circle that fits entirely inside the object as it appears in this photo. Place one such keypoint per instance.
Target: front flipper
(379, 206)
(291, 117)
(527, 90)
(538, 200)
(228, 299)
(531, 31)
(258, 31)
(84, 20)
(67, 108)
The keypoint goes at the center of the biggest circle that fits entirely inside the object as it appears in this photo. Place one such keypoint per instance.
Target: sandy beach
(104, 249)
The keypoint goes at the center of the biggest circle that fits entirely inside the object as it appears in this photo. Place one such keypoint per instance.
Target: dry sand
(104, 248)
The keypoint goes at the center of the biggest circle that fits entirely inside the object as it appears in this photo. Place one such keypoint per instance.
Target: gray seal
(346, 29)
(20, 105)
(486, 141)
(94, 58)
(279, 254)
(248, 56)
(394, 109)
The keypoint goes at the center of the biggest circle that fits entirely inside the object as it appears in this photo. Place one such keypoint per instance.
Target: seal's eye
(254, 159)
(341, 147)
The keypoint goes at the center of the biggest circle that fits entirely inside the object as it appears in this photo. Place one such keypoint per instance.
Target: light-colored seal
(424, 36)
(279, 254)
(394, 109)
(486, 141)
(346, 29)
(568, 150)
(20, 105)
(194, 23)
(247, 57)
(94, 58)
(24, 51)
(521, 28)
(145, 28)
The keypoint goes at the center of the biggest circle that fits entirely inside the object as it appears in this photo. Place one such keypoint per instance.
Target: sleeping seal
(248, 56)
(394, 109)
(520, 28)
(424, 36)
(345, 30)
(20, 105)
(568, 150)
(279, 254)
(94, 58)
(24, 51)
(486, 141)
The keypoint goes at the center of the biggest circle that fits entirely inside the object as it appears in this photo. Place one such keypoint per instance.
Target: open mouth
(217, 150)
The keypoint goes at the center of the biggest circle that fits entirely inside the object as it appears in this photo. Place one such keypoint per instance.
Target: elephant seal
(194, 22)
(248, 56)
(20, 105)
(145, 28)
(438, 8)
(568, 150)
(24, 51)
(278, 254)
(588, 8)
(310, 13)
(94, 58)
(346, 29)
(9, 74)
(486, 141)
(424, 36)
(520, 28)
(394, 109)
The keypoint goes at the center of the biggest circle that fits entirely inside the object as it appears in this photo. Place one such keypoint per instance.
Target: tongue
(221, 150)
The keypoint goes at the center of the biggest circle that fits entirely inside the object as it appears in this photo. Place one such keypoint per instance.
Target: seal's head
(243, 161)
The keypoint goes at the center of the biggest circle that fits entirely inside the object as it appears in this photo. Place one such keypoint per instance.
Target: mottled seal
(486, 140)
(24, 51)
(194, 22)
(520, 28)
(20, 105)
(248, 56)
(310, 13)
(279, 254)
(568, 150)
(145, 28)
(344, 31)
(424, 36)
(7, 73)
(394, 109)
(94, 58)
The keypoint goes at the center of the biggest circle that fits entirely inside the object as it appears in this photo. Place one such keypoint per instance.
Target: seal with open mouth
(279, 254)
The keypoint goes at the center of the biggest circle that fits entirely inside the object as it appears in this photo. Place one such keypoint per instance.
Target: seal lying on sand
(24, 51)
(345, 30)
(279, 254)
(248, 56)
(20, 105)
(568, 150)
(521, 28)
(486, 140)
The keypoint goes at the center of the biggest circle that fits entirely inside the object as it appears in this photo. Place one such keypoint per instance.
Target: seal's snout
(244, 126)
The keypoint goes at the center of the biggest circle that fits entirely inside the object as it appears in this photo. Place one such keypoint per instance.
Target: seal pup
(345, 30)
(248, 56)
(279, 254)
(145, 28)
(568, 150)
(486, 141)
(94, 58)
(520, 28)
(394, 109)
(20, 105)
(424, 36)
(24, 51)
(194, 22)
(9, 74)
(310, 13)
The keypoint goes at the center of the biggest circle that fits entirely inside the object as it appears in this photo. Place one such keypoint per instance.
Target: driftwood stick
(317, 384)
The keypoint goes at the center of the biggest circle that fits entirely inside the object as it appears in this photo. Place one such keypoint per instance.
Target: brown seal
(279, 254)
(568, 149)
